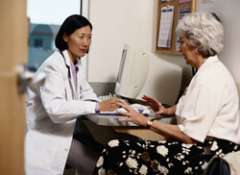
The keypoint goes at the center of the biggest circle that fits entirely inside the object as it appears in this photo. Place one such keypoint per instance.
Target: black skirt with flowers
(136, 156)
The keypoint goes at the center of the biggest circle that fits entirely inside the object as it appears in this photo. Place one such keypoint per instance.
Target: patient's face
(187, 51)
(79, 41)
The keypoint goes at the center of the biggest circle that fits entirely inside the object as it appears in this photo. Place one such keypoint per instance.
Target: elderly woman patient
(208, 122)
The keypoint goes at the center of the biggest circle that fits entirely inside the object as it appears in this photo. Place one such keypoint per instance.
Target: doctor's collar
(67, 59)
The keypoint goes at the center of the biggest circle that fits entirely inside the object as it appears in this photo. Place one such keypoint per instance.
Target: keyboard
(105, 97)
(140, 107)
(145, 110)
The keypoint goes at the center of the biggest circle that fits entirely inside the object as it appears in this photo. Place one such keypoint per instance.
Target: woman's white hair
(204, 28)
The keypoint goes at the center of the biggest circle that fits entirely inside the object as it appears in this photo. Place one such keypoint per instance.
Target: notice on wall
(205, 5)
(183, 11)
(165, 28)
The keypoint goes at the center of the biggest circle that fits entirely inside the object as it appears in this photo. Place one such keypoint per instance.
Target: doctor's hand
(132, 114)
(108, 105)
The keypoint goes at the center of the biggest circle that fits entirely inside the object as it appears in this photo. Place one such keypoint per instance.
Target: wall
(229, 12)
(116, 23)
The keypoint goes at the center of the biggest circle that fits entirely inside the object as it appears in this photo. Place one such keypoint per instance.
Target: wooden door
(13, 51)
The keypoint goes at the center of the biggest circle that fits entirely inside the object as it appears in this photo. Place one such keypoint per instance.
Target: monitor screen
(132, 72)
(124, 54)
(135, 78)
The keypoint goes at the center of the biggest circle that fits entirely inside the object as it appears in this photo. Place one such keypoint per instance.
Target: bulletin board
(169, 12)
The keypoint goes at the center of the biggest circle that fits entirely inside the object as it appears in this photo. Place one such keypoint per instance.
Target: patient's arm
(168, 130)
(164, 111)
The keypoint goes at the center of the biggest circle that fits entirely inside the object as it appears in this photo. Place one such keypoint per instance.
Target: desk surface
(121, 125)
(112, 120)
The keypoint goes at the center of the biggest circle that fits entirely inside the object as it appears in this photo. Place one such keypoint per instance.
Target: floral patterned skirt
(136, 156)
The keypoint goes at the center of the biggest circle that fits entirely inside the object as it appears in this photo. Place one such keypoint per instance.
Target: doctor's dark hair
(69, 25)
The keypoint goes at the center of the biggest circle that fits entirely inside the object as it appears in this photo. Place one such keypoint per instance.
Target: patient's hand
(157, 106)
(132, 114)
(153, 103)
(108, 105)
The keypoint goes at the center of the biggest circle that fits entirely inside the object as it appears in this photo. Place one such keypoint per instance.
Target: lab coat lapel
(70, 76)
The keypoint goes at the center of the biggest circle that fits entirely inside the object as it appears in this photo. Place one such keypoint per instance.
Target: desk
(118, 121)
(111, 120)
(120, 125)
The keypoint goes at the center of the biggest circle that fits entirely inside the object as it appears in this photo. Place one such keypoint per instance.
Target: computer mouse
(121, 110)
(141, 108)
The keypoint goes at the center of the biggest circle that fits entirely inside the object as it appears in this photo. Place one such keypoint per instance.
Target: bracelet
(149, 123)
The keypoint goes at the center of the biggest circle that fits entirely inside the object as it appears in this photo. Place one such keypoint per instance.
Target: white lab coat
(52, 108)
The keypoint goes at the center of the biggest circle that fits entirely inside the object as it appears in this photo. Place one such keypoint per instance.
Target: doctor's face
(78, 42)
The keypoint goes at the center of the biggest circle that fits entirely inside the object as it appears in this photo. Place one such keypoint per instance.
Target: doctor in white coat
(55, 103)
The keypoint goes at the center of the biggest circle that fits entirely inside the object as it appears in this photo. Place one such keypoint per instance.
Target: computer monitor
(132, 72)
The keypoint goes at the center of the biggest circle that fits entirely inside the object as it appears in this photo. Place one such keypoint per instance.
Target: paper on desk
(165, 28)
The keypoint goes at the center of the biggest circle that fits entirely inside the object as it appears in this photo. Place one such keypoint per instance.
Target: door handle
(27, 78)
